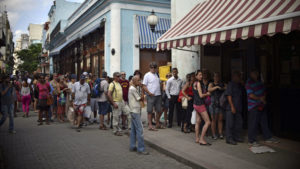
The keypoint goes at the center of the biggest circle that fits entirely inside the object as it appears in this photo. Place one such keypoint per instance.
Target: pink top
(43, 90)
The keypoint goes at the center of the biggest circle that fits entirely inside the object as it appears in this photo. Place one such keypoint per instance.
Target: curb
(1, 158)
(174, 156)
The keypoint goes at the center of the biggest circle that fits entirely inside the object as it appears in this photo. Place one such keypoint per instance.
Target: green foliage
(30, 58)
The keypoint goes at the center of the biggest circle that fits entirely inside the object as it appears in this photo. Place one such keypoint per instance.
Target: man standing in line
(8, 92)
(81, 97)
(125, 87)
(152, 87)
(103, 104)
(257, 110)
(136, 133)
(173, 87)
(115, 96)
(234, 121)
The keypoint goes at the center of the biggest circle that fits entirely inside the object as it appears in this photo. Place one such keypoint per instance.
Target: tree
(30, 58)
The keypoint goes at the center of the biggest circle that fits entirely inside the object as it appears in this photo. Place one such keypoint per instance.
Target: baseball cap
(85, 73)
(82, 77)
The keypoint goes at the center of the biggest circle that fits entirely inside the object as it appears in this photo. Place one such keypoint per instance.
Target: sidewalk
(182, 147)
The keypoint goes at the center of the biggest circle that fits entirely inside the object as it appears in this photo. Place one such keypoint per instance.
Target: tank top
(197, 99)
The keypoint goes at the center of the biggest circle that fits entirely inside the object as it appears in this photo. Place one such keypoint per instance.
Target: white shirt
(134, 98)
(152, 82)
(173, 86)
(81, 93)
(25, 91)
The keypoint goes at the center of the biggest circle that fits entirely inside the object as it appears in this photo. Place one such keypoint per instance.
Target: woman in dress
(199, 106)
(43, 88)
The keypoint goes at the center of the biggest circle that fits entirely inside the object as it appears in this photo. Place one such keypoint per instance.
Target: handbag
(50, 100)
(184, 102)
(193, 119)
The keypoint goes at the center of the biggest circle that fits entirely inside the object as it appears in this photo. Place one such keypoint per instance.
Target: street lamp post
(152, 20)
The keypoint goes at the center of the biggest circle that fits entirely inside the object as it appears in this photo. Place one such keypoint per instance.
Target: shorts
(165, 103)
(103, 108)
(94, 104)
(214, 110)
(42, 105)
(154, 102)
(200, 108)
(79, 109)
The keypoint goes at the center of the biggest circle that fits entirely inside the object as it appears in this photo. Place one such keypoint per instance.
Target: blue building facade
(105, 35)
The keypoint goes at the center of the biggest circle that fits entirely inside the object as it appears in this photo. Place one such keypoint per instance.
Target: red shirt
(125, 86)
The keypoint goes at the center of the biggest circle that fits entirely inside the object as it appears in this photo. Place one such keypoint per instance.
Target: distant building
(21, 43)
(6, 44)
(35, 33)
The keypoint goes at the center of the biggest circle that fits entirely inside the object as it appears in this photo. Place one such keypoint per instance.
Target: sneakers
(133, 150)
(254, 144)
(214, 137)
(143, 153)
(12, 132)
(221, 137)
(272, 140)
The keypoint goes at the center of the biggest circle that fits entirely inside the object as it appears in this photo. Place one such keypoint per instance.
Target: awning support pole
(188, 50)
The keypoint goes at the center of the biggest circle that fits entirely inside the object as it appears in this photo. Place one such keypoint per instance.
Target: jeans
(136, 133)
(234, 125)
(8, 110)
(256, 118)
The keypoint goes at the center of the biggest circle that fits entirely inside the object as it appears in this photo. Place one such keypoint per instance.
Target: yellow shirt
(116, 91)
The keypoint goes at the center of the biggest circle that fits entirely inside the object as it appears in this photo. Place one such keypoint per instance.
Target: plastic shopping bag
(87, 112)
(71, 114)
(193, 119)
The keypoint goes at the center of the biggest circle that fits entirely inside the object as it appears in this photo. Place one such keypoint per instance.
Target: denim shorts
(214, 110)
(103, 108)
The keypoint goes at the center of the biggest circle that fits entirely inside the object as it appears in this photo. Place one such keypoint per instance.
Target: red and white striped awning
(214, 21)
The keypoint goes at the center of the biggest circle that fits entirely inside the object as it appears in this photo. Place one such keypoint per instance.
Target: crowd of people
(199, 103)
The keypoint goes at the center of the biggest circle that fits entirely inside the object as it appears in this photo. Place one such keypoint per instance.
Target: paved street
(59, 146)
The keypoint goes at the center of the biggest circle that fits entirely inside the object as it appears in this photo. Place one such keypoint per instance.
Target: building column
(115, 35)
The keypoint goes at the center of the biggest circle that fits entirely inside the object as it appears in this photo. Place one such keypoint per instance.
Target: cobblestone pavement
(58, 146)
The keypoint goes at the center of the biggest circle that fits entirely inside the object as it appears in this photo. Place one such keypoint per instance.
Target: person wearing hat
(102, 100)
(115, 96)
(81, 98)
(151, 85)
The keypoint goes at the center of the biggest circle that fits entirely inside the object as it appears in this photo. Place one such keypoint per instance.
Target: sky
(23, 12)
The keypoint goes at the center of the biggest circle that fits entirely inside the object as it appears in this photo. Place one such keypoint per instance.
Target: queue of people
(210, 102)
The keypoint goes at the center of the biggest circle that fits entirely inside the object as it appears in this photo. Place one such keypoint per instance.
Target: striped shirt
(256, 88)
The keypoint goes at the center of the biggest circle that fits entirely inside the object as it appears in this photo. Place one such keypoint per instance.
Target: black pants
(187, 113)
(234, 125)
(258, 118)
(172, 103)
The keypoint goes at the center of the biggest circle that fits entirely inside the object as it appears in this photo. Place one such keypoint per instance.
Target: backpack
(96, 91)
(223, 101)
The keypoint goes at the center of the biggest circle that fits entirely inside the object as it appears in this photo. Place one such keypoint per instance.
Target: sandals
(207, 144)
(118, 133)
(102, 128)
(160, 127)
(152, 129)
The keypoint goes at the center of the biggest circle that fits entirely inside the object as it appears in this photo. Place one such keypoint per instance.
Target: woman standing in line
(199, 106)
(61, 99)
(216, 88)
(26, 97)
(44, 92)
(187, 92)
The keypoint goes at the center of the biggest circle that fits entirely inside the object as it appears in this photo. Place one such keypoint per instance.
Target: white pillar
(115, 36)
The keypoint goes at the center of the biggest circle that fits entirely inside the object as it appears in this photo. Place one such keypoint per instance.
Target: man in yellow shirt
(115, 96)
